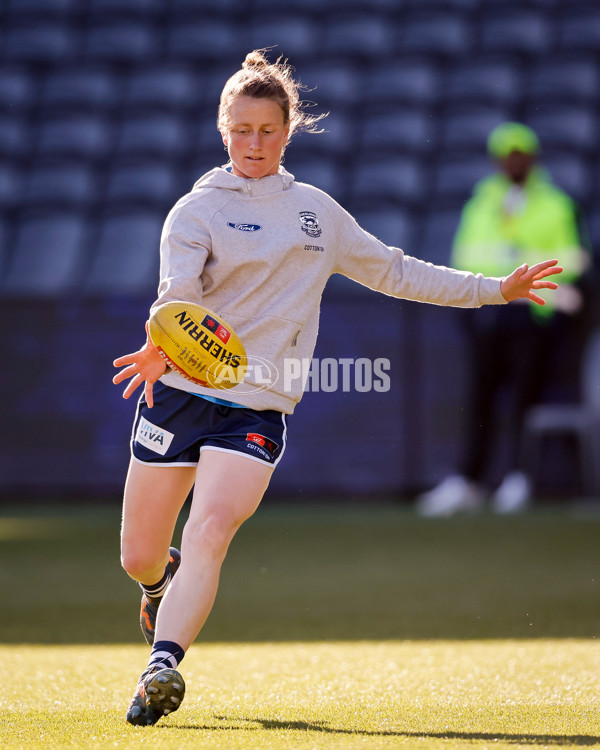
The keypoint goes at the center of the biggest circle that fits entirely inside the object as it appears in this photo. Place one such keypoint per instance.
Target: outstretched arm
(144, 366)
(522, 281)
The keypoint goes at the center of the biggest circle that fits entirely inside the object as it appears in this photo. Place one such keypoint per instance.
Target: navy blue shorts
(180, 425)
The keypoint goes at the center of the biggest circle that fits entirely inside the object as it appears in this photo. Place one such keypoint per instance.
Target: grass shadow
(258, 724)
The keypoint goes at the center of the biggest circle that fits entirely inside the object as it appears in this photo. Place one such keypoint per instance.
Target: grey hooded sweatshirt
(259, 253)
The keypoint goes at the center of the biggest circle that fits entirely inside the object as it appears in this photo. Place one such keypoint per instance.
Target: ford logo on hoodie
(244, 227)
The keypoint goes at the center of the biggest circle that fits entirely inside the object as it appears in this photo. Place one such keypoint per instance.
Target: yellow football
(198, 344)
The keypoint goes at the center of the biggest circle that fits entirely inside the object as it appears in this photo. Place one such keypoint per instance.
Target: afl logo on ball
(310, 223)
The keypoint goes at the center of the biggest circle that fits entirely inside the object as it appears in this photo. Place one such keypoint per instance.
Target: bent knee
(139, 563)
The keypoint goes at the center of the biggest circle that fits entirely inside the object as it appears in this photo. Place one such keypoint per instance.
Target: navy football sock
(157, 590)
(165, 655)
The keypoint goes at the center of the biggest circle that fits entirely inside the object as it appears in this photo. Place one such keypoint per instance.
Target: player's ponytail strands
(261, 79)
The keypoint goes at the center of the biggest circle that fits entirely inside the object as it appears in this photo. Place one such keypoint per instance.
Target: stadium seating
(4, 247)
(41, 42)
(294, 36)
(20, 9)
(362, 36)
(593, 224)
(579, 420)
(388, 181)
(337, 7)
(123, 42)
(108, 114)
(564, 79)
(565, 127)
(455, 176)
(195, 8)
(205, 138)
(80, 89)
(151, 183)
(395, 228)
(140, 8)
(446, 5)
(413, 81)
(61, 184)
(439, 228)
(338, 137)
(112, 103)
(15, 138)
(203, 42)
(441, 36)
(580, 31)
(572, 173)
(161, 134)
(317, 171)
(466, 129)
(18, 90)
(220, 71)
(85, 136)
(163, 88)
(493, 81)
(331, 86)
(524, 32)
(125, 260)
(398, 130)
(11, 189)
(47, 257)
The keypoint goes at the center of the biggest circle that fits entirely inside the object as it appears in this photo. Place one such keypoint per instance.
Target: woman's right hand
(144, 366)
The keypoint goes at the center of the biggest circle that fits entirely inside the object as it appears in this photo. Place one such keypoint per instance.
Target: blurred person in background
(516, 215)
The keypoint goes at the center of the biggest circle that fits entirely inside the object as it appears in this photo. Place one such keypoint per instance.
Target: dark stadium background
(107, 115)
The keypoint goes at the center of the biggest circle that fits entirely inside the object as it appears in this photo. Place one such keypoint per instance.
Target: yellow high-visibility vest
(502, 227)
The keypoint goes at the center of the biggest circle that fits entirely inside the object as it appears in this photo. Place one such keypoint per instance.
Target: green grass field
(335, 627)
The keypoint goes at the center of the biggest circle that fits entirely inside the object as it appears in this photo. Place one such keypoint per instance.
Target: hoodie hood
(222, 177)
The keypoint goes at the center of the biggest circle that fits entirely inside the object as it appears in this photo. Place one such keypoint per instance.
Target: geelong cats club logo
(310, 223)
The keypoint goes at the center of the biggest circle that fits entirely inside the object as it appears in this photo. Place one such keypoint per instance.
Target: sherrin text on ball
(198, 344)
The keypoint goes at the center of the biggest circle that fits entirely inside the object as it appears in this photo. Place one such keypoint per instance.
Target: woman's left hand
(523, 280)
(144, 366)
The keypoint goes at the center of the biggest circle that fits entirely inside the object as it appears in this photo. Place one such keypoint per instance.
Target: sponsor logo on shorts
(310, 223)
(244, 227)
(264, 442)
(152, 437)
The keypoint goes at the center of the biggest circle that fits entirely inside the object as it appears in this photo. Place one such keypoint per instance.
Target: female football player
(257, 248)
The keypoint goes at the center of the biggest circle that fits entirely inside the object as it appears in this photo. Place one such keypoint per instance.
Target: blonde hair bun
(255, 60)
(259, 78)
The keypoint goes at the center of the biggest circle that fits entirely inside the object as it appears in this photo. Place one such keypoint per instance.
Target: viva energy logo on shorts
(152, 437)
(252, 375)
